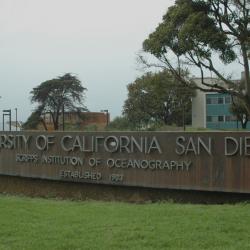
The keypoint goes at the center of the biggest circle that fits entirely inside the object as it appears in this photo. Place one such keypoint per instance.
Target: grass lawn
(50, 224)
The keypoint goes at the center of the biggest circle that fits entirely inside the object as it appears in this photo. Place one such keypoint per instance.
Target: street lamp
(7, 112)
(16, 118)
(107, 116)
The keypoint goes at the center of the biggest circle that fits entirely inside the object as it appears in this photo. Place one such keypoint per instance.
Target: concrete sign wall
(194, 161)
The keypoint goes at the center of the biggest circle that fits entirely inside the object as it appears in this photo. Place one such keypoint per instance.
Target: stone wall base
(85, 191)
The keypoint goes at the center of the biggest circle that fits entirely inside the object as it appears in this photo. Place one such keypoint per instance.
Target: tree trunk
(56, 121)
(56, 127)
(246, 69)
(244, 123)
(44, 124)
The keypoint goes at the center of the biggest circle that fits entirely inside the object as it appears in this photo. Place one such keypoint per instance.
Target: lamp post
(16, 118)
(107, 116)
(7, 112)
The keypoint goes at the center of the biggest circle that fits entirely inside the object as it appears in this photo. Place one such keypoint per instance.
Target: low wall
(85, 192)
(207, 161)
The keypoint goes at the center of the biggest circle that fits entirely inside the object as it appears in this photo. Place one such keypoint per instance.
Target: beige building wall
(199, 104)
(199, 110)
(98, 119)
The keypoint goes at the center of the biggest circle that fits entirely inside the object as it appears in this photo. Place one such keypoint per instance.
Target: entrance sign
(209, 161)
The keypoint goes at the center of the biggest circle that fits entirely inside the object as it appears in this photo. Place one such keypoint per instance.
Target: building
(78, 121)
(212, 110)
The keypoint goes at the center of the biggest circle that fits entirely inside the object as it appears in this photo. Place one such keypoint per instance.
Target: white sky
(96, 40)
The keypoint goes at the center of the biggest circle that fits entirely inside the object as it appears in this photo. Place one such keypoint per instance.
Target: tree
(34, 119)
(157, 98)
(239, 110)
(55, 95)
(197, 33)
(238, 107)
(120, 123)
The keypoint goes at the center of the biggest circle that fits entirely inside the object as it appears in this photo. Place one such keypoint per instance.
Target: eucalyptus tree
(199, 33)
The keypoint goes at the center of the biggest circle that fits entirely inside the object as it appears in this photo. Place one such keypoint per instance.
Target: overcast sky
(96, 40)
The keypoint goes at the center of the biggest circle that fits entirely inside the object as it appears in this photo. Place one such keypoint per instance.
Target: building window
(220, 100)
(214, 118)
(209, 100)
(214, 100)
(228, 99)
(221, 118)
(231, 118)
